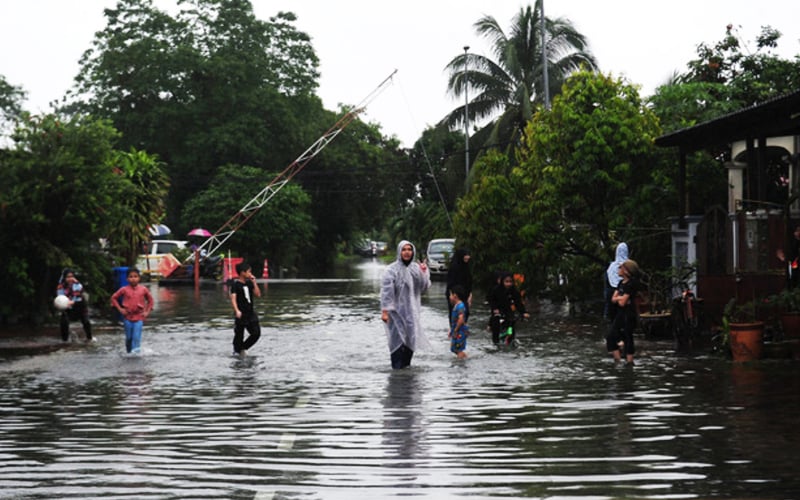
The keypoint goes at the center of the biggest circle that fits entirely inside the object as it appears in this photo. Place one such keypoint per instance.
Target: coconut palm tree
(512, 83)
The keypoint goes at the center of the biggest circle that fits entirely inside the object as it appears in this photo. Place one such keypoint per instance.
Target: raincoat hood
(400, 249)
(620, 257)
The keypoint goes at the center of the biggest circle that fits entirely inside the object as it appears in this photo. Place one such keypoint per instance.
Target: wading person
(459, 331)
(620, 337)
(506, 305)
(243, 290)
(78, 310)
(401, 290)
(134, 303)
(459, 273)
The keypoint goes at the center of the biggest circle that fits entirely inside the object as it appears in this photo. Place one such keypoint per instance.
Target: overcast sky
(361, 42)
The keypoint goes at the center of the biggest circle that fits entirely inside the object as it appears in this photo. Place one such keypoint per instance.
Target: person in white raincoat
(401, 289)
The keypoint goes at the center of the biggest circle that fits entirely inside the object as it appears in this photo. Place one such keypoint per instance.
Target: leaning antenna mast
(216, 240)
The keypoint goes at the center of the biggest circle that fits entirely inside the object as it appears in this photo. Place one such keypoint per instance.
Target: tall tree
(750, 76)
(587, 174)
(512, 83)
(489, 218)
(207, 86)
(140, 204)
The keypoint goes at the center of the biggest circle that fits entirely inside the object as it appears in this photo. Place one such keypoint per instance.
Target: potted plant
(742, 331)
(787, 305)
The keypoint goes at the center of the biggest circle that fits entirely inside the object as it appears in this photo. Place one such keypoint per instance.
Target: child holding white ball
(76, 310)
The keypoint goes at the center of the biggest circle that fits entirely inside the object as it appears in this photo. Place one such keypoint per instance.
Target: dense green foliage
(140, 203)
(747, 76)
(63, 189)
(490, 217)
(585, 180)
(579, 164)
(209, 86)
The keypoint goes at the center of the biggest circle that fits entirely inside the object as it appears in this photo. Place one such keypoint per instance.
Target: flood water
(315, 412)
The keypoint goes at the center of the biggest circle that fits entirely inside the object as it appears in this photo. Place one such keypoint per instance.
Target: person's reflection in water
(402, 429)
(136, 402)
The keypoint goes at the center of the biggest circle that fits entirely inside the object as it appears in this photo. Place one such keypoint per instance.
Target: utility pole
(544, 61)
(466, 119)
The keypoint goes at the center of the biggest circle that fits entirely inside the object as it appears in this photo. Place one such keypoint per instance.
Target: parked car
(438, 254)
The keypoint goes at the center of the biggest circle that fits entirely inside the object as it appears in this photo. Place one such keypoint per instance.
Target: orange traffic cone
(265, 273)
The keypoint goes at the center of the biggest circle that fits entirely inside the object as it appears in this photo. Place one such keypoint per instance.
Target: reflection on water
(402, 430)
(316, 413)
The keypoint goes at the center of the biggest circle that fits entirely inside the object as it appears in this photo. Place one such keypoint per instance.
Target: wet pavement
(315, 412)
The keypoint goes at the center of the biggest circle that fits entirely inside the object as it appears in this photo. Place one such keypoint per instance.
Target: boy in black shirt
(242, 292)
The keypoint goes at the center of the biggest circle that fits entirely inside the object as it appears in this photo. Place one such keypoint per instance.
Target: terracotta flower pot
(747, 340)
(790, 322)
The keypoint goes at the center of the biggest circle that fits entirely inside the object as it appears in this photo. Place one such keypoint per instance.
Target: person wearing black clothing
(70, 287)
(459, 273)
(620, 337)
(506, 303)
(242, 292)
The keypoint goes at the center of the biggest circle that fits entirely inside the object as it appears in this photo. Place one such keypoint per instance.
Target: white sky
(360, 43)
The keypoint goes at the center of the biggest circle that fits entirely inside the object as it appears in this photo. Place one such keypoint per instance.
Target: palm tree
(513, 83)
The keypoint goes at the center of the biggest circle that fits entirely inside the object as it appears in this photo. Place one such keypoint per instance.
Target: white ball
(61, 302)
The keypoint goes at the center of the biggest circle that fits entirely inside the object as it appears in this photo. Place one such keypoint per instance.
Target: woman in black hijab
(459, 273)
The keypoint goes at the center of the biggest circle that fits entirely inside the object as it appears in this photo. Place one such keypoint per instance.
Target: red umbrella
(199, 231)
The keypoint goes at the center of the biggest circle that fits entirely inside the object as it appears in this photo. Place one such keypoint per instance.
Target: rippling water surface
(315, 412)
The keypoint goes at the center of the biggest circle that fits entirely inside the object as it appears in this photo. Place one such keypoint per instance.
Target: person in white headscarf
(613, 279)
(401, 290)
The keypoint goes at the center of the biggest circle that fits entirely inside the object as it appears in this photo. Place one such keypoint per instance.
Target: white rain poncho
(401, 290)
(621, 256)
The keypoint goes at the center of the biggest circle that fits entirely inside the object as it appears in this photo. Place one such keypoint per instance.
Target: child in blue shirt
(459, 331)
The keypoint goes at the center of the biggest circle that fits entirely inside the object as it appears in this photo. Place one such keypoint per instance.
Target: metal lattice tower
(221, 235)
